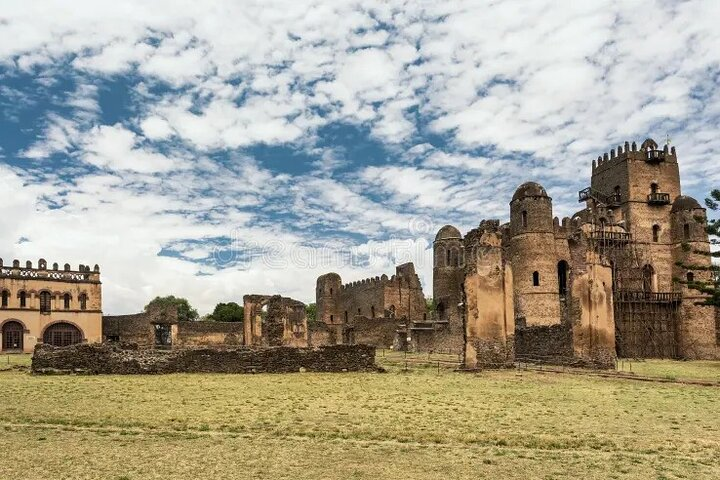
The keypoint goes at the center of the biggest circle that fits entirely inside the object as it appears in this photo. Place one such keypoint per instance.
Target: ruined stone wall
(135, 328)
(114, 360)
(379, 332)
(274, 321)
(209, 333)
(699, 330)
(139, 329)
(489, 305)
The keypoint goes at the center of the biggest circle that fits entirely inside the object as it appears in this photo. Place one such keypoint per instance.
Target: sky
(214, 149)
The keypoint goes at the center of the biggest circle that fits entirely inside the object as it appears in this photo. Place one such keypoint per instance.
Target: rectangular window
(45, 302)
(23, 301)
(5, 296)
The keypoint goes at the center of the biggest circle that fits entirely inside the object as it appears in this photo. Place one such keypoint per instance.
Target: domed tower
(532, 255)
(327, 298)
(691, 246)
(448, 274)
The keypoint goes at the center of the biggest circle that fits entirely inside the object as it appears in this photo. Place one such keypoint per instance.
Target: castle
(615, 279)
(612, 280)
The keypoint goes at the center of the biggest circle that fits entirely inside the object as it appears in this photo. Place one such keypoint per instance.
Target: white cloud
(116, 148)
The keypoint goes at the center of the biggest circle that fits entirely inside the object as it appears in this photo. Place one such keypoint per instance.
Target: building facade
(615, 279)
(53, 305)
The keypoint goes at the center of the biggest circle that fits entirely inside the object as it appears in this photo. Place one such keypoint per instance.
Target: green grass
(419, 424)
(674, 370)
(10, 362)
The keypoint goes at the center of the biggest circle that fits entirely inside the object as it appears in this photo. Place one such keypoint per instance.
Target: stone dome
(684, 202)
(529, 189)
(447, 232)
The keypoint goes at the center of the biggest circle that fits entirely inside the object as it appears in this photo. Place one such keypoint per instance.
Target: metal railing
(658, 198)
(656, 297)
(590, 193)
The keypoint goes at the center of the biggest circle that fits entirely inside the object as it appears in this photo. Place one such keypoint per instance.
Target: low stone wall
(129, 360)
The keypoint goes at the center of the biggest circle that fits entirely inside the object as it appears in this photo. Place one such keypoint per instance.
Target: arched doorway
(62, 334)
(648, 278)
(562, 268)
(12, 336)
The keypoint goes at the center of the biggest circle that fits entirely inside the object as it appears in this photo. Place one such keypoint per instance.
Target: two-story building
(58, 306)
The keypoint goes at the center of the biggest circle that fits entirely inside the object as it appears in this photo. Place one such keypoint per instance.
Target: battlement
(648, 152)
(83, 273)
(564, 227)
(381, 281)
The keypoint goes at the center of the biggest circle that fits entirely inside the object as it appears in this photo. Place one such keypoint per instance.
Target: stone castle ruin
(612, 280)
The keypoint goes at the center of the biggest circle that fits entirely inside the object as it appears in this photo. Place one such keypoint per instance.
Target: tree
(227, 312)
(311, 312)
(185, 312)
(429, 304)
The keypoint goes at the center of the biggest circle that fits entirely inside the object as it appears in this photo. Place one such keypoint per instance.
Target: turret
(326, 296)
(533, 258)
(691, 246)
(447, 273)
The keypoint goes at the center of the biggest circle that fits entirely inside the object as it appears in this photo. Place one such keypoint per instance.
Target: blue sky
(213, 149)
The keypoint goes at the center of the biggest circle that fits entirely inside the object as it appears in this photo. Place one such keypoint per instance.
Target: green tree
(227, 312)
(311, 312)
(429, 304)
(185, 312)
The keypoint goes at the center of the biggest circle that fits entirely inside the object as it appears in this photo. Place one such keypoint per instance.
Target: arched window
(618, 194)
(45, 300)
(447, 261)
(603, 223)
(524, 218)
(562, 277)
(23, 299)
(5, 298)
(331, 318)
(62, 335)
(66, 301)
(346, 316)
(372, 311)
(654, 188)
(12, 336)
(330, 291)
(648, 278)
(690, 277)
(83, 302)
(656, 233)
(359, 311)
(686, 231)
(536, 279)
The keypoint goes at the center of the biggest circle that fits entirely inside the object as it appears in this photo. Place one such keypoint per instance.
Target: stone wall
(139, 329)
(115, 360)
(209, 333)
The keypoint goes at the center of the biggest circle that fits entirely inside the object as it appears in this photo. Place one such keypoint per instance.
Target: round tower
(327, 294)
(448, 273)
(533, 258)
(691, 246)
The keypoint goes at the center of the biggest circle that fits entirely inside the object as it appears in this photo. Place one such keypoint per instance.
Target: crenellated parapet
(42, 272)
(649, 151)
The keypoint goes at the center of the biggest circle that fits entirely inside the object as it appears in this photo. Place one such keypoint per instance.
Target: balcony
(606, 236)
(658, 198)
(655, 156)
(625, 296)
(590, 193)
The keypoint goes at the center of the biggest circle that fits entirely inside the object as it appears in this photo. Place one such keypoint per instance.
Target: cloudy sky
(212, 149)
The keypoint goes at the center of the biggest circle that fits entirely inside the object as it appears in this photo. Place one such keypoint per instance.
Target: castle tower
(640, 184)
(699, 324)
(448, 274)
(532, 256)
(327, 294)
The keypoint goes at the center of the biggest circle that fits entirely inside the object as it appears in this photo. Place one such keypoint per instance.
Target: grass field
(421, 424)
